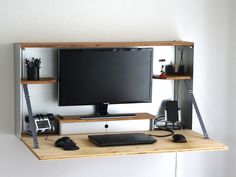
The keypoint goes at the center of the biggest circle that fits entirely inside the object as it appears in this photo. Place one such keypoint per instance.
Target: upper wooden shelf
(41, 81)
(102, 44)
(48, 151)
(72, 119)
(173, 77)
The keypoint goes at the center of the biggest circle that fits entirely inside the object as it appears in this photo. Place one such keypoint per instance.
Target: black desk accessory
(44, 124)
(121, 139)
(178, 138)
(172, 111)
(33, 66)
(66, 143)
(169, 132)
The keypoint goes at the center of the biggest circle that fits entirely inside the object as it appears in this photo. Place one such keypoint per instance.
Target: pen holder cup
(33, 73)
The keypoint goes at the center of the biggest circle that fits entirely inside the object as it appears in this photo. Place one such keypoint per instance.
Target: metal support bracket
(197, 110)
(31, 119)
(151, 125)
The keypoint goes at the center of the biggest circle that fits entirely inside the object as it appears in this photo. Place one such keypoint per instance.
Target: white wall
(232, 102)
(208, 23)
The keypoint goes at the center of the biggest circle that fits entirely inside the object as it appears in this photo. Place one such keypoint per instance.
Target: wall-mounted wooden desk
(48, 151)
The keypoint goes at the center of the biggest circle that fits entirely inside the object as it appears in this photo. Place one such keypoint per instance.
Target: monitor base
(108, 116)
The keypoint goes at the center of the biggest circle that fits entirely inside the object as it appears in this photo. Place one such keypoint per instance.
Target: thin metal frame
(31, 120)
(190, 91)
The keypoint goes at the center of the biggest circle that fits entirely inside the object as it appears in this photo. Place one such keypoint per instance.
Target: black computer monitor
(104, 76)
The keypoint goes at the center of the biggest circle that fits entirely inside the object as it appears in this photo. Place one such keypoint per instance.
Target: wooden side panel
(17, 89)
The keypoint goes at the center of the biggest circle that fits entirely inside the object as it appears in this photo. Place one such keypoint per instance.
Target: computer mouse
(66, 143)
(178, 138)
(61, 141)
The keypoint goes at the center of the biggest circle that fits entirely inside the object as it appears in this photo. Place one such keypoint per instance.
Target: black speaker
(169, 70)
(172, 111)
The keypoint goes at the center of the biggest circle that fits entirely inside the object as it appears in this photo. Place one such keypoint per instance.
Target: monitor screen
(111, 76)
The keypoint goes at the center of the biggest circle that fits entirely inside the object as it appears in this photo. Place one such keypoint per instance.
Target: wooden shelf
(173, 77)
(48, 151)
(71, 119)
(41, 81)
(103, 44)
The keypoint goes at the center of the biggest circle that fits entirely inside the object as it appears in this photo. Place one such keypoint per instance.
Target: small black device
(178, 138)
(121, 139)
(66, 143)
(172, 111)
(44, 123)
(172, 117)
(171, 70)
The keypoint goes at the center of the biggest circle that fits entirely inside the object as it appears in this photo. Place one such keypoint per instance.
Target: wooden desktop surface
(48, 151)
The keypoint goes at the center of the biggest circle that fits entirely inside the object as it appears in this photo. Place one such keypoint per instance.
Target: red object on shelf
(163, 75)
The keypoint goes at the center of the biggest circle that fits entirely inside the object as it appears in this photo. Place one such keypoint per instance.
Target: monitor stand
(101, 112)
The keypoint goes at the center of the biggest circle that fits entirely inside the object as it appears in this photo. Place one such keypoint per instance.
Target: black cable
(165, 127)
(46, 138)
(171, 132)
